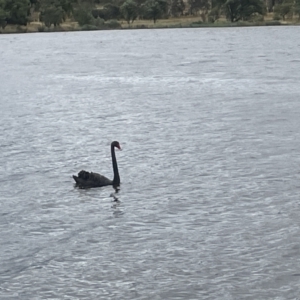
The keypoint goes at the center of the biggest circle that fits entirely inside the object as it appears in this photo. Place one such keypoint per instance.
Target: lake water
(209, 204)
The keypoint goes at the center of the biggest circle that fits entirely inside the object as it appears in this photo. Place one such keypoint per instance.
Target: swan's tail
(82, 175)
(76, 179)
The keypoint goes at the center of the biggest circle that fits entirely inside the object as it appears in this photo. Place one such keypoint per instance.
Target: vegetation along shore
(67, 15)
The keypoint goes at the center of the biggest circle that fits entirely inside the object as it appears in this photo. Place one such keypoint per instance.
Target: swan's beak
(120, 148)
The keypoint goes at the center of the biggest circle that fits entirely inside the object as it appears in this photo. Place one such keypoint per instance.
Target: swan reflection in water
(90, 180)
(114, 195)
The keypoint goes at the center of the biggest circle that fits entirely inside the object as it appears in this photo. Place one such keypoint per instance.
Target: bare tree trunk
(270, 4)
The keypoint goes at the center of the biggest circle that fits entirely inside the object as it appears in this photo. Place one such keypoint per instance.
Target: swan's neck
(116, 180)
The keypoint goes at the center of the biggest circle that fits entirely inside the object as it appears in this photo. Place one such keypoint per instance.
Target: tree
(67, 6)
(177, 8)
(18, 11)
(216, 9)
(237, 10)
(112, 11)
(152, 10)
(269, 5)
(214, 14)
(108, 12)
(164, 6)
(129, 10)
(35, 5)
(83, 16)
(52, 15)
(200, 6)
(3, 14)
(284, 9)
(54, 11)
(297, 8)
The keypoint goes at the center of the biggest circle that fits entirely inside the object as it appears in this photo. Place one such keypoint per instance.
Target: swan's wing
(90, 179)
(100, 179)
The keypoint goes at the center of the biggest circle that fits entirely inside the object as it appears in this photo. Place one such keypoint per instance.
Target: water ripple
(208, 206)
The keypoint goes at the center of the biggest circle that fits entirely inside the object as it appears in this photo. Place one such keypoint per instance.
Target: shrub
(273, 23)
(141, 26)
(113, 24)
(257, 18)
(41, 28)
(21, 29)
(197, 23)
(83, 17)
(89, 27)
(99, 22)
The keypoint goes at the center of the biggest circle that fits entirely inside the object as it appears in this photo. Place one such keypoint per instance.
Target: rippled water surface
(209, 203)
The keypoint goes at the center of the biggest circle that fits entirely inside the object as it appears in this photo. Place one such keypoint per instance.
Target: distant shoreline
(183, 22)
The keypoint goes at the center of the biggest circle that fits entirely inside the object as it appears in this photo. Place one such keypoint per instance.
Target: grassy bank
(183, 22)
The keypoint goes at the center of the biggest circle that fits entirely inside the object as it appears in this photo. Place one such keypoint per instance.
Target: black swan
(90, 179)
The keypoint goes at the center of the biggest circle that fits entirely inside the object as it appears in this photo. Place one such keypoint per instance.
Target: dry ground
(163, 23)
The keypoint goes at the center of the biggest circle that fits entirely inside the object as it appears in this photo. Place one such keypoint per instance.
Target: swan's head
(116, 144)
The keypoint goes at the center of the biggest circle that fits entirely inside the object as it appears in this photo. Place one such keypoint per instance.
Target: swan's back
(90, 179)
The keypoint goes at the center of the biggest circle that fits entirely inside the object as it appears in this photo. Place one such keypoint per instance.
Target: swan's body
(89, 179)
